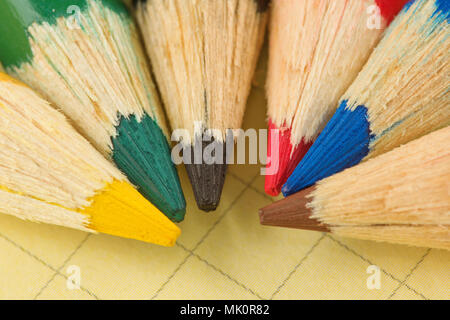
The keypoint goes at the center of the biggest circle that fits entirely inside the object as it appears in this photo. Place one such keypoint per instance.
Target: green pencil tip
(142, 152)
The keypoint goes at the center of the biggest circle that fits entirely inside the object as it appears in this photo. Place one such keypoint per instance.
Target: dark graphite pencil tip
(208, 177)
(292, 212)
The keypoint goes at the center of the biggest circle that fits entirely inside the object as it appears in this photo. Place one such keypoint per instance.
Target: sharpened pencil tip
(142, 152)
(342, 144)
(284, 157)
(207, 183)
(208, 176)
(120, 210)
(292, 212)
(285, 190)
(272, 191)
(390, 8)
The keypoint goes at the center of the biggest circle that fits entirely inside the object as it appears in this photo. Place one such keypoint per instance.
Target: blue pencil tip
(342, 144)
(285, 190)
(442, 9)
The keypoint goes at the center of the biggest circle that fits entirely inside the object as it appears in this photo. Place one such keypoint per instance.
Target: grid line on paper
(62, 266)
(155, 295)
(230, 207)
(410, 274)
(247, 185)
(314, 246)
(44, 263)
(252, 187)
(381, 269)
(221, 272)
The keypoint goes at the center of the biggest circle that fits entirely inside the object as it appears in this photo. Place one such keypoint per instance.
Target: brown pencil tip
(292, 212)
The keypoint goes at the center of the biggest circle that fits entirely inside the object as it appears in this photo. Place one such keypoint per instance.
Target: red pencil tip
(282, 161)
(390, 8)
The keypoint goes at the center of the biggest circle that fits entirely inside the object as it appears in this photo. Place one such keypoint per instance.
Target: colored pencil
(317, 48)
(401, 196)
(49, 173)
(204, 54)
(85, 57)
(401, 94)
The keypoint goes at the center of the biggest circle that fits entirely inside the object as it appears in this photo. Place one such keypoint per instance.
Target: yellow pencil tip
(121, 210)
